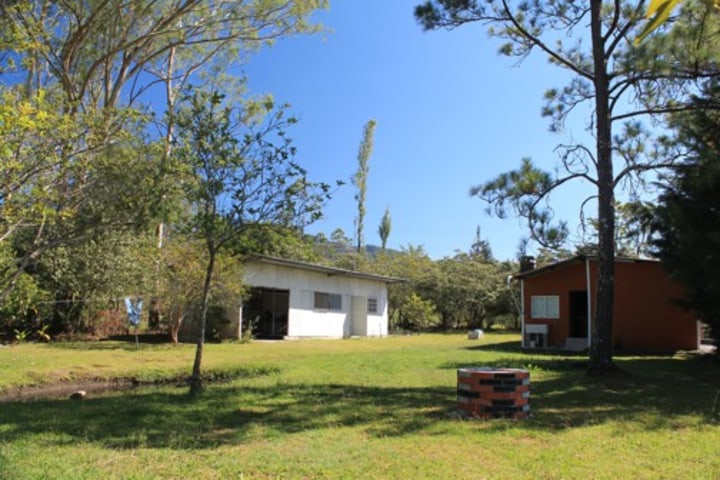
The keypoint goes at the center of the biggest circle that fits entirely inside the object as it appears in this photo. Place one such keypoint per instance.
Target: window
(372, 305)
(545, 306)
(328, 301)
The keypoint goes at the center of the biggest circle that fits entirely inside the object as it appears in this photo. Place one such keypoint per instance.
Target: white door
(359, 316)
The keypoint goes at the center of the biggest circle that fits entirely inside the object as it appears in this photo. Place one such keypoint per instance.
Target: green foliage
(361, 176)
(21, 307)
(688, 216)
(78, 155)
(340, 239)
(413, 313)
(90, 277)
(384, 228)
(410, 303)
(179, 287)
(524, 192)
(633, 230)
(620, 85)
(34, 174)
(276, 241)
(480, 247)
(469, 292)
(237, 172)
(111, 45)
(21, 335)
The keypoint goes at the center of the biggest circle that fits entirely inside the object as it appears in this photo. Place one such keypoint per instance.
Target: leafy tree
(413, 313)
(85, 75)
(360, 179)
(384, 228)
(467, 291)
(100, 53)
(32, 135)
(410, 303)
(237, 172)
(182, 272)
(276, 241)
(633, 221)
(547, 256)
(688, 216)
(90, 276)
(620, 83)
(19, 310)
(339, 238)
(480, 248)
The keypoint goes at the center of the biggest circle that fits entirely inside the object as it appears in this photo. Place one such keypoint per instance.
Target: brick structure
(493, 392)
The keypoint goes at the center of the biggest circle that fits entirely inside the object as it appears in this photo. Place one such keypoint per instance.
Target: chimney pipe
(527, 263)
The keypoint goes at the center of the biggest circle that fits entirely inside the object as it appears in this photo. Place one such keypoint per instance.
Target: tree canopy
(620, 84)
(687, 218)
(85, 142)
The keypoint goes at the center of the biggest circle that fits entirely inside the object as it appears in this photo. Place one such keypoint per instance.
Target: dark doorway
(266, 311)
(578, 314)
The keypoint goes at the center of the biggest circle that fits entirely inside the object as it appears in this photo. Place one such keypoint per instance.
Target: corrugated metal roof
(283, 262)
(576, 259)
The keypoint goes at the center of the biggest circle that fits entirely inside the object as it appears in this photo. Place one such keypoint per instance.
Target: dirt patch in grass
(64, 389)
(95, 386)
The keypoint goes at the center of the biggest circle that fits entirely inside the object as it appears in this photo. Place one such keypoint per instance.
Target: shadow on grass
(516, 347)
(655, 394)
(224, 414)
(117, 342)
(648, 392)
(512, 346)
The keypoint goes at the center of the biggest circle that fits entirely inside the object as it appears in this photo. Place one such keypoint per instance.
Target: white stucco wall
(306, 321)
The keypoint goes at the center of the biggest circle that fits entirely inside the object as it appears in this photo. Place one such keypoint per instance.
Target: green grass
(371, 408)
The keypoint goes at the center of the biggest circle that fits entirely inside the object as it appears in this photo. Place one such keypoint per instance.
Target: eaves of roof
(573, 260)
(330, 271)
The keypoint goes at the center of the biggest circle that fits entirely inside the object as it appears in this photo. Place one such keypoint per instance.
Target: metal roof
(330, 271)
(576, 259)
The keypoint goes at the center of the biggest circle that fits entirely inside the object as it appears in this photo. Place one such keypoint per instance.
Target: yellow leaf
(654, 6)
(661, 9)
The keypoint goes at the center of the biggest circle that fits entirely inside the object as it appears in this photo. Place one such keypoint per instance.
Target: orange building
(558, 306)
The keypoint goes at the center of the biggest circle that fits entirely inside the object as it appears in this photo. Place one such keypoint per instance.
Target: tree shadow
(646, 392)
(117, 342)
(510, 346)
(225, 414)
(516, 347)
(653, 394)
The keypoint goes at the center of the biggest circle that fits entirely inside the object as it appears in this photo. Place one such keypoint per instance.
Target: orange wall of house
(559, 282)
(644, 317)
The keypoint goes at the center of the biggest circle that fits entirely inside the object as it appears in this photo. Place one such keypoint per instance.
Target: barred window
(372, 305)
(328, 301)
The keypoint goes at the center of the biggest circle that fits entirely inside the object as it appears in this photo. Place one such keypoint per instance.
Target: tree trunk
(601, 345)
(196, 385)
(176, 320)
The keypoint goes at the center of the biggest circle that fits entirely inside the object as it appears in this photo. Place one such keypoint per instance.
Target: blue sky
(450, 112)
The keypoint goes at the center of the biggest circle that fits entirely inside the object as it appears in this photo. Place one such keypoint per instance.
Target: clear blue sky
(450, 112)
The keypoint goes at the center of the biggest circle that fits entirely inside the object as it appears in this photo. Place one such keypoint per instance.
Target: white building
(291, 299)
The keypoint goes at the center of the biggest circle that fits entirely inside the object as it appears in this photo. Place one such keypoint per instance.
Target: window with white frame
(372, 305)
(328, 301)
(545, 306)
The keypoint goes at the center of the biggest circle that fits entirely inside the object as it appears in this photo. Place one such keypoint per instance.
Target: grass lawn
(370, 408)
